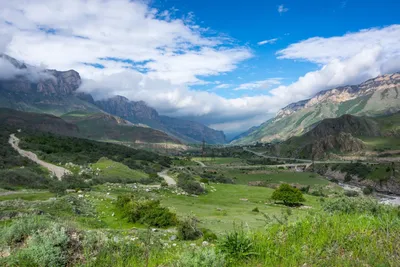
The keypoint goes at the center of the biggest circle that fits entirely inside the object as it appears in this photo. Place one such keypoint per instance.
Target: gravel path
(59, 172)
(170, 181)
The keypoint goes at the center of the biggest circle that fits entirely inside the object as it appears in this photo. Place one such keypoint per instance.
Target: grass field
(111, 168)
(275, 176)
(222, 209)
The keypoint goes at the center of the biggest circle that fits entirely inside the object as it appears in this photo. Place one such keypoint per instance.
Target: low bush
(353, 205)
(368, 190)
(208, 235)
(27, 177)
(189, 184)
(187, 229)
(146, 211)
(236, 245)
(351, 193)
(255, 210)
(205, 257)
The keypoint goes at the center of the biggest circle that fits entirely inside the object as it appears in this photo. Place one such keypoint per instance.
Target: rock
(173, 237)
(244, 199)
(205, 243)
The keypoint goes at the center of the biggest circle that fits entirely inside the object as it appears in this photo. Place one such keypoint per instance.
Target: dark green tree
(288, 195)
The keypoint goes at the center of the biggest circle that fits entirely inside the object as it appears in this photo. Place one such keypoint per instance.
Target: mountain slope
(374, 97)
(36, 121)
(55, 92)
(139, 112)
(102, 126)
(345, 134)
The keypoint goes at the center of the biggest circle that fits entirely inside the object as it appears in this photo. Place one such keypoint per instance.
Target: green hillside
(102, 126)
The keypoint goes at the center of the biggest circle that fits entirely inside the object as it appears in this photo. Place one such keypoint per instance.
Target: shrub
(236, 245)
(347, 178)
(146, 211)
(21, 229)
(205, 257)
(204, 180)
(368, 190)
(255, 210)
(187, 229)
(189, 184)
(353, 205)
(208, 235)
(288, 194)
(45, 248)
(30, 177)
(351, 193)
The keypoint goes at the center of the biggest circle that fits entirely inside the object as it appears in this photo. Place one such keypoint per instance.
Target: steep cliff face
(139, 112)
(374, 97)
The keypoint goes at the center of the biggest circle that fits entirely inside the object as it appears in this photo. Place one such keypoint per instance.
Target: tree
(288, 194)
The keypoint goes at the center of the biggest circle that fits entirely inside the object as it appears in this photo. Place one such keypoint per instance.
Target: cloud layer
(128, 48)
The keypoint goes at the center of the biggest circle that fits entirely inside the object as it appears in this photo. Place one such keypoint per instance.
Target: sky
(229, 64)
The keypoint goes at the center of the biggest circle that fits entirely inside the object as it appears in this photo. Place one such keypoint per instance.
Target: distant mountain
(374, 97)
(340, 135)
(139, 112)
(55, 92)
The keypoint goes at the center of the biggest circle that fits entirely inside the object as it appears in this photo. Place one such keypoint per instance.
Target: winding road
(59, 172)
(200, 163)
(168, 179)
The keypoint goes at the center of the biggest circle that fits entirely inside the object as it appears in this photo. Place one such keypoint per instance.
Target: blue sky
(228, 64)
(253, 21)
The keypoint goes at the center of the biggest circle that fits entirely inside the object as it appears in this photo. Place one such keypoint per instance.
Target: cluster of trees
(56, 149)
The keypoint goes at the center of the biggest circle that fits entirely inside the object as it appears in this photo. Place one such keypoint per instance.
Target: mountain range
(56, 92)
(377, 96)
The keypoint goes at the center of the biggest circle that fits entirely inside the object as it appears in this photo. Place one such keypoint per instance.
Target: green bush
(44, 248)
(204, 180)
(288, 195)
(255, 210)
(208, 235)
(146, 211)
(187, 229)
(204, 257)
(27, 177)
(368, 190)
(353, 205)
(189, 184)
(236, 245)
(21, 229)
(351, 193)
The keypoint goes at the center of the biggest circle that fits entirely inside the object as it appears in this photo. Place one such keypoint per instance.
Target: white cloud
(282, 9)
(168, 54)
(259, 85)
(85, 31)
(223, 86)
(270, 41)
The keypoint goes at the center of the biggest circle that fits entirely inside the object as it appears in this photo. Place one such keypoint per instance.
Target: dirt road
(59, 172)
(170, 181)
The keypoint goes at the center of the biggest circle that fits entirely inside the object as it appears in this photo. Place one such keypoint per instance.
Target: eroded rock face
(344, 142)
